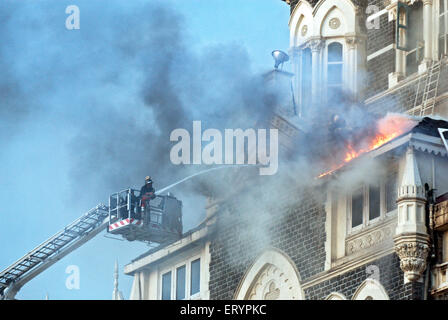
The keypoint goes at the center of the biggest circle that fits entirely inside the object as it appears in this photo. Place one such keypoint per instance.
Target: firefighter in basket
(147, 193)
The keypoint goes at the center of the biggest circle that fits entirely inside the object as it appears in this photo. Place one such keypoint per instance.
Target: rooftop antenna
(279, 57)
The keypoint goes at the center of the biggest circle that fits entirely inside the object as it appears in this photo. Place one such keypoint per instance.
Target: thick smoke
(126, 81)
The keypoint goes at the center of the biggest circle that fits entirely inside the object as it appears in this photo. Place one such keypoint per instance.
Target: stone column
(427, 35)
(316, 46)
(355, 65)
(427, 28)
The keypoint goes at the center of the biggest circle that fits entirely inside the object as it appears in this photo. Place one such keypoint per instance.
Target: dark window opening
(391, 192)
(180, 283)
(166, 286)
(414, 39)
(374, 201)
(195, 276)
(357, 208)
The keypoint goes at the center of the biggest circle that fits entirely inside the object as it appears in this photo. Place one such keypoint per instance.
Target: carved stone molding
(353, 40)
(316, 44)
(370, 238)
(413, 253)
(271, 284)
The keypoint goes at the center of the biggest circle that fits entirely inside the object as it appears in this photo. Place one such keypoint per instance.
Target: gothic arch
(272, 276)
(301, 19)
(335, 296)
(342, 9)
(370, 289)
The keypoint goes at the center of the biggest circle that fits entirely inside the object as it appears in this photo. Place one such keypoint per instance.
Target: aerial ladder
(160, 220)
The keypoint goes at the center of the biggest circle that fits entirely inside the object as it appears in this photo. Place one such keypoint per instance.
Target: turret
(411, 235)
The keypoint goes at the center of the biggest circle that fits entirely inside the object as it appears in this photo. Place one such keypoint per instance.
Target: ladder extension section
(431, 84)
(62, 243)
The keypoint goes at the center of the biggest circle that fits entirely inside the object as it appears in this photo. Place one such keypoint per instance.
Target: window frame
(326, 65)
(438, 15)
(173, 269)
(366, 221)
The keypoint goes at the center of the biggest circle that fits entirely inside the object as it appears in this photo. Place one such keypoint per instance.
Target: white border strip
(380, 52)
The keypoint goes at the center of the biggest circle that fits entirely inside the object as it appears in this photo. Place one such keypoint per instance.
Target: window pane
(374, 201)
(180, 283)
(195, 276)
(335, 52)
(166, 286)
(335, 74)
(357, 208)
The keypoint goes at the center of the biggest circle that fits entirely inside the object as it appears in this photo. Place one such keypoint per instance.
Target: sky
(81, 112)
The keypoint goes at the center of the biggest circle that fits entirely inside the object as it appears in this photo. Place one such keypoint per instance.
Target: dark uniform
(147, 192)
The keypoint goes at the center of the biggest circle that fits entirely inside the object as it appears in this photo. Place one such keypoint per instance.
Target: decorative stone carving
(271, 284)
(413, 254)
(316, 44)
(304, 30)
(370, 239)
(352, 41)
(334, 23)
(273, 292)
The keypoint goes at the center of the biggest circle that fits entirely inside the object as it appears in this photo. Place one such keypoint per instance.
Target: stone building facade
(382, 238)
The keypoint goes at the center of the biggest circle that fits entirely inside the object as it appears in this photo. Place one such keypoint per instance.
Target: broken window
(334, 70)
(357, 208)
(409, 35)
(415, 42)
(443, 27)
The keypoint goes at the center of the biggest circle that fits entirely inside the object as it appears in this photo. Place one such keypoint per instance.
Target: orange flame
(388, 128)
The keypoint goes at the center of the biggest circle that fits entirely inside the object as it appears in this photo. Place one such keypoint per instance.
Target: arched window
(272, 276)
(334, 70)
(370, 289)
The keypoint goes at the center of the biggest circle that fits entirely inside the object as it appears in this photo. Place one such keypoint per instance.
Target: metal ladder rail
(420, 80)
(430, 93)
(52, 250)
(45, 248)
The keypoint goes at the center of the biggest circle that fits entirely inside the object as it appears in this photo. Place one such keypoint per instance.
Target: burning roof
(382, 132)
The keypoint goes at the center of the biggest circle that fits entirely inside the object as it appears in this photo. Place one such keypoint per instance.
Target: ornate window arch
(314, 30)
(272, 276)
(335, 296)
(370, 289)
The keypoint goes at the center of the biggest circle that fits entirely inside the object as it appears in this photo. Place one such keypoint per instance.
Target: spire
(411, 184)
(116, 294)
